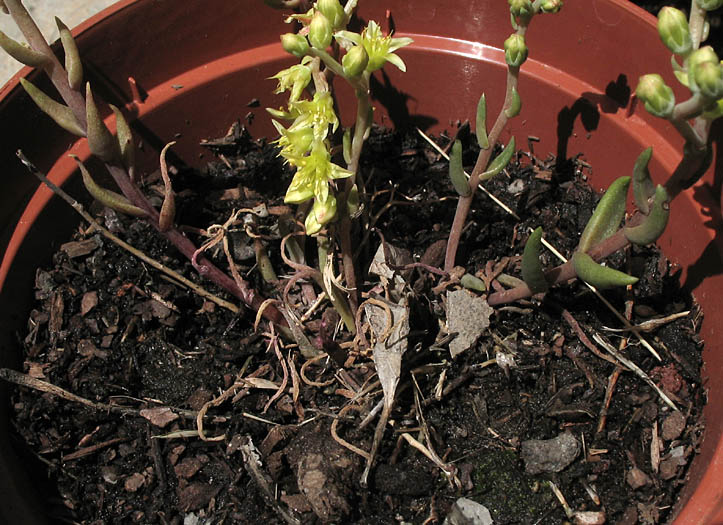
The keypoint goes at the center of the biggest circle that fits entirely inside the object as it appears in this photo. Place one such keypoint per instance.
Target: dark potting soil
(110, 329)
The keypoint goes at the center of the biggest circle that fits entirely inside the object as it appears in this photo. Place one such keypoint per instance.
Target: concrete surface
(71, 12)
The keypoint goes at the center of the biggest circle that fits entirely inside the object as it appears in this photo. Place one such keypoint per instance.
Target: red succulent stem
(76, 102)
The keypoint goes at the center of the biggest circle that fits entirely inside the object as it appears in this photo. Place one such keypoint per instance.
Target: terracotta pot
(201, 66)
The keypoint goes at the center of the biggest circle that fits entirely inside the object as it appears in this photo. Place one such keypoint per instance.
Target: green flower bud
(325, 211)
(321, 213)
(333, 11)
(657, 96)
(551, 6)
(355, 61)
(320, 31)
(294, 44)
(674, 31)
(521, 8)
(696, 58)
(704, 54)
(708, 79)
(709, 5)
(311, 225)
(515, 50)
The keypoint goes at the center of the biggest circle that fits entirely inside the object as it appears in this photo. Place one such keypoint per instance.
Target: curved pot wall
(201, 68)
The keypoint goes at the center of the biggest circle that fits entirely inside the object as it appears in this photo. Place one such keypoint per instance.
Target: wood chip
(79, 248)
(159, 416)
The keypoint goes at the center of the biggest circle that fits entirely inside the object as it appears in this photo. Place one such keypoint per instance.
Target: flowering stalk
(521, 12)
(306, 144)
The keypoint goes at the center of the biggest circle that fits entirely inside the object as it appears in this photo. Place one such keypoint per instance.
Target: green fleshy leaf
(456, 171)
(500, 161)
(125, 139)
(101, 141)
(515, 105)
(532, 272)
(597, 275)
(606, 218)
(481, 123)
(654, 224)
(73, 65)
(471, 282)
(346, 145)
(21, 53)
(643, 187)
(111, 199)
(60, 113)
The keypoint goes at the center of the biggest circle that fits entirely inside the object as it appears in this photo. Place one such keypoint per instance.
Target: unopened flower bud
(551, 6)
(708, 78)
(515, 50)
(704, 54)
(521, 8)
(320, 31)
(709, 5)
(696, 58)
(355, 61)
(333, 11)
(325, 211)
(294, 44)
(657, 96)
(674, 31)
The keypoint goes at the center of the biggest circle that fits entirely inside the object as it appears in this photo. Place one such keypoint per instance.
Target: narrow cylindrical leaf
(597, 275)
(22, 53)
(643, 187)
(500, 161)
(346, 145)
(456, 171)
(60, 113)
(515, 105)
(481, 129)
(106, 197)
(654, 224)
(73, 65)
(125, 139)
(101, 141)
(606, 218)
(471, 282)
(353, 206)
(532, 272)
(168, 208)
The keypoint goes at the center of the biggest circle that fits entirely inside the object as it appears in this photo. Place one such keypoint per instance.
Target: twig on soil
(252, 462)
(87, 451)
(202, 292)
(612, 381)
(635, 368)
(17, 378)
(449, 470)
(274, 343)
(567, 316)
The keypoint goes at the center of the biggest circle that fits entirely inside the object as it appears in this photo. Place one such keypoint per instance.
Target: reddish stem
(76, 102)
